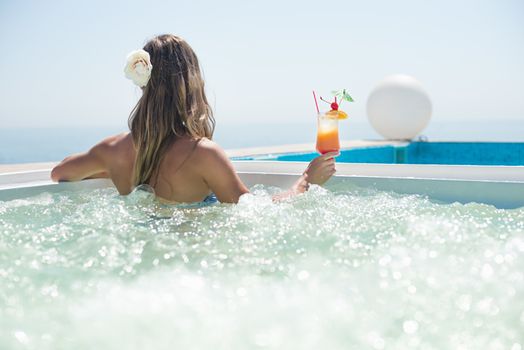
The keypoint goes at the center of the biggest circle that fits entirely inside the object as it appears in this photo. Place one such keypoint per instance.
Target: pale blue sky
(61, 62)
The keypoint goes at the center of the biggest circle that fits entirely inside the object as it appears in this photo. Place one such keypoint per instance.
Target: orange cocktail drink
(327, 134)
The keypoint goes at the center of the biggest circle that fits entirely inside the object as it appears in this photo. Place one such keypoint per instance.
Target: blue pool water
(467, 153)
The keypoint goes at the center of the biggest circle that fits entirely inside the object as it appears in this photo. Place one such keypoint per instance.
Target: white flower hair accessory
(138, 67)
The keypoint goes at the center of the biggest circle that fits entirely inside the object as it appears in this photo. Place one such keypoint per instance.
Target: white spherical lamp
(399, 108)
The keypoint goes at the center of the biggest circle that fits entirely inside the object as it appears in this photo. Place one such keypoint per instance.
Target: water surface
(343, 268)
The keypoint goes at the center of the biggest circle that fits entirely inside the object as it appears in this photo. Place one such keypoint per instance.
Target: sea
(25, 145)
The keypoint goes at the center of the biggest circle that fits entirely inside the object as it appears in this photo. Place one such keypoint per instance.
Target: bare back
(182, 176)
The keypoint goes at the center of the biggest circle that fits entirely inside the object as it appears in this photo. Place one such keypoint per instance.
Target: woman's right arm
(222, 179)
(317, 172)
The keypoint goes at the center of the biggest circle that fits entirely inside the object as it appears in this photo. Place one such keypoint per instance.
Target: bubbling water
(335, 268)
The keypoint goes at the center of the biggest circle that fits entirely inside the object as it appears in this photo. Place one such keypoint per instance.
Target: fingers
(327, 157)
(325, 164)
(327, 170)
(321, 168)
(330, 155)
(330, 163)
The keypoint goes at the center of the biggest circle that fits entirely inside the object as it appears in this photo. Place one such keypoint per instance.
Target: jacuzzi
(384, 256)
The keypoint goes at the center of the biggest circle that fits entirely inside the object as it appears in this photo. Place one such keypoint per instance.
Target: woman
(169, 146)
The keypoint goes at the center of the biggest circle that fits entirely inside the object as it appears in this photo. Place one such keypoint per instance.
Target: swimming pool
(450, 153)
(344, 267)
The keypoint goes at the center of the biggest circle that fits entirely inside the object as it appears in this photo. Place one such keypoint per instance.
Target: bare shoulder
(209, 152)
(209, 149)
(112, 144)
(114, 141)
(210, 157)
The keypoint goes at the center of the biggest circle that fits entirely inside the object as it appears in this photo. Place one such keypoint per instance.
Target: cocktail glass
(327, 134)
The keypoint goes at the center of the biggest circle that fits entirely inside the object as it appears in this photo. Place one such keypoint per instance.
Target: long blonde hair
(173, 104)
